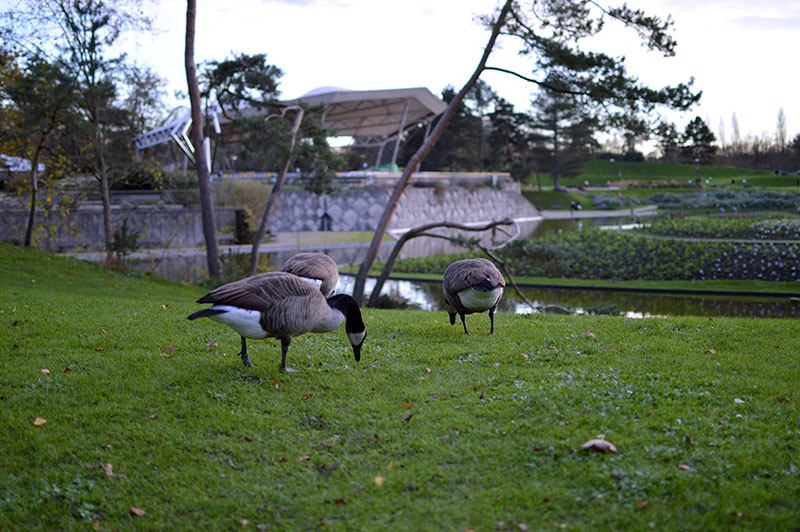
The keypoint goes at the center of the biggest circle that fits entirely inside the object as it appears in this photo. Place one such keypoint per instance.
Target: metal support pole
(400, 133)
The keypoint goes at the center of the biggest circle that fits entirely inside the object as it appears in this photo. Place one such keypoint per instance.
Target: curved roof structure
(374, 113)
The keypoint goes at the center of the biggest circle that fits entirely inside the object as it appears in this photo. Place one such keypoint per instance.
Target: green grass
(602, 172)
(467, 432)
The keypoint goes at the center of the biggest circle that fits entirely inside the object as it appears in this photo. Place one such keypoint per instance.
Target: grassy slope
(465, 432)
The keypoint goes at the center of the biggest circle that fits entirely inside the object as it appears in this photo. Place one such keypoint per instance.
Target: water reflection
(428, 296)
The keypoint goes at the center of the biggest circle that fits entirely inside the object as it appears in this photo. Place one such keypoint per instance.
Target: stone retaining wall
(355, 209)
(361, 209)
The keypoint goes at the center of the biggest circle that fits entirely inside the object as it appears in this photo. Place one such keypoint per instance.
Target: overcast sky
(741, 53)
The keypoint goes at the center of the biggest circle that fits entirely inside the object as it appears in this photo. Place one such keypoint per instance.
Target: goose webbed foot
(243, 354)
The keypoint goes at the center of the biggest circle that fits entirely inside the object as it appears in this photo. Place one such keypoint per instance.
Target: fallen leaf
(282, 459)
(590, 335)
(339, 501)
(67, 369)
(164, 307)
(784, 399)
(522, 526)
(685, 467)
(524, 356)
(738, 401)
(153, 416)
(262, 526)
(95, 524)
(428, 370)
(104, 331)
(408, 418)
(98, 348)
(408, 405)
(378, 481)
(496, 364)
(171, 347)
(39, 421)
(712, 351)
(244, 523)
(600, 444)
(138, 512)
(212, 345)
(109, 469)
(641, 504)
(303, 458)
(308, 395)
(46, 371)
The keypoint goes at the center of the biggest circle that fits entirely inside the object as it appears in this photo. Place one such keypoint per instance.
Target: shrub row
(598, 254)
(737, 228)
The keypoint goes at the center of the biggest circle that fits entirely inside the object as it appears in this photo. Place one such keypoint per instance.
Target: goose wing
(472, 273)
(260, 292)
(317, 266)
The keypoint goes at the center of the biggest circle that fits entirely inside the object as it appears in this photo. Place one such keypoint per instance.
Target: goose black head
(354, 324)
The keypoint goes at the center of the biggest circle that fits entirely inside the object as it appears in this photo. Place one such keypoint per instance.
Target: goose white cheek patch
(356, 338)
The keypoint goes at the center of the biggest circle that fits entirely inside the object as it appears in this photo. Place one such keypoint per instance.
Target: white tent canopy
(374, 117)
(371, 118)
(374, 113)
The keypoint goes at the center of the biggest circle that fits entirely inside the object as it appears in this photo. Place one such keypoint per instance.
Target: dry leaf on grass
(137, 512)
(600, 444)
(378, 481)
(39, 421)
(46, 371)
(590, 335)
(171, 347)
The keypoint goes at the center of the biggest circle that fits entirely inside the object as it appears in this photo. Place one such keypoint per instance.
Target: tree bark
(203, 176)
(34, 195)
(276, 190)
(416, 159)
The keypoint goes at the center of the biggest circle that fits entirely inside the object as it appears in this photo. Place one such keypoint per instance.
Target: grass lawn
(146, 421)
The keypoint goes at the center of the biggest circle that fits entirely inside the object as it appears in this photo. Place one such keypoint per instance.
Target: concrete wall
(356, 209)
(360, 209)
(169, 226)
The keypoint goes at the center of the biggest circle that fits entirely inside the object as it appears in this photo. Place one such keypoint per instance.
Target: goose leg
(285, 349)
(491, 319)
(243, 354)
(463, 321)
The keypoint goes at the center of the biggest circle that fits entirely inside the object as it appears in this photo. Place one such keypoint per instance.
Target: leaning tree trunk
(34, 195)
(416, 159)
(203, 177)
(276, 190)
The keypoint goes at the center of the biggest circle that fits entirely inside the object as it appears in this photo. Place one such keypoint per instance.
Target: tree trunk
(276, 191)
(203, 176)
(34, 195)
(416, 159)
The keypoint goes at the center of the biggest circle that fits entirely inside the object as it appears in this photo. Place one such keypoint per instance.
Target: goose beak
(357, 352)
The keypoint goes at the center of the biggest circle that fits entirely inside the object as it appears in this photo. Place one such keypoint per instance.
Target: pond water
(428, 296)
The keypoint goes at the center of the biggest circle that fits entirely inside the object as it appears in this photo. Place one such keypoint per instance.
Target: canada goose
(281, 305)
(472, 285)
(317, 268)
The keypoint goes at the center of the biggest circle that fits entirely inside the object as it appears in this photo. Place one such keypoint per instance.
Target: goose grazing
(472, 285)
(281, 305)
(317, 268)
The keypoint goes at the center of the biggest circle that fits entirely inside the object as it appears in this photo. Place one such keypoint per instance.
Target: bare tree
(276, 190)
(203, 176)
(419, 155)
